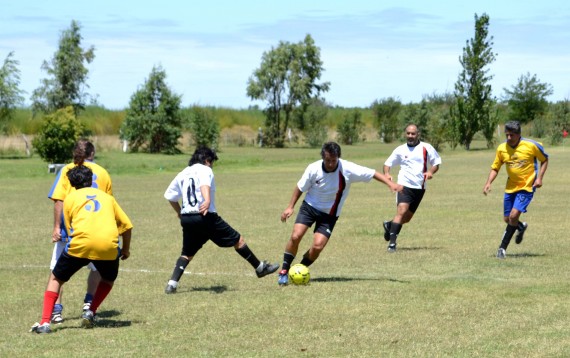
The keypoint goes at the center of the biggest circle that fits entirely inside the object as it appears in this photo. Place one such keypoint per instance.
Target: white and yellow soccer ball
(299, 274)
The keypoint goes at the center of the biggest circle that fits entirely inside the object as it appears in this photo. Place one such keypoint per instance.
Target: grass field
(443, 294)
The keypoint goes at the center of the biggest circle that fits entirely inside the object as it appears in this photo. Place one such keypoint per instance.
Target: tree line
(288, 82)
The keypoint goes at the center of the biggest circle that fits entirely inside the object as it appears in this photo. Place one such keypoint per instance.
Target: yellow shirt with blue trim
(61, 186)
(521, 163)
(94, 221)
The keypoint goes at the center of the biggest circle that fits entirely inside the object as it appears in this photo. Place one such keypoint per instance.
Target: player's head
(513, 132)
(330, 152)
(412, 134)
(203, 155)
(83, 150)
(80, 176)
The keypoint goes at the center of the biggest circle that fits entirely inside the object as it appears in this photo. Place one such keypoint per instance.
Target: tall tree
(386, 112)
(153, 119)
(286, 78)
(10, 93)
(474, 100)
(527, 99)
(67, 75)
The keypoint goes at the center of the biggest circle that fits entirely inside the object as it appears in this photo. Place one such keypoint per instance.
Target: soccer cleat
(87, 319)
(86, 306)
(266, 269)
(41, 329)
(56, 318)
(387, 225)
(520, 234)
(392, 248)
(501, 253)
(169, 289)
(283, 279)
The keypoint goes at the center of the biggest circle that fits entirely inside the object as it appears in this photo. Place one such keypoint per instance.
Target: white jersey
(413, 162)
(186, 186)
(327, 192)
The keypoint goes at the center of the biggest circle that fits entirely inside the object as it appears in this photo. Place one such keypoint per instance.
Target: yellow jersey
(94, 221)
(521, 163)
(61, 186)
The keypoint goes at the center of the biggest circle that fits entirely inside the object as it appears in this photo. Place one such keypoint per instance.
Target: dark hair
(513, 126)
(202, 155)
(80, 177)
(331, 148)
(82, 150)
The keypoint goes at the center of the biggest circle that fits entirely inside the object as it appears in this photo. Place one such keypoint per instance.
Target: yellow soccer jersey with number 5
(94, 221)
(521, 163)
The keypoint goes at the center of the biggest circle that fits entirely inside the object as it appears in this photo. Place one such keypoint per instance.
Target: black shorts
(308, 216)
(68, 265)
(197, 229)
(411, 196)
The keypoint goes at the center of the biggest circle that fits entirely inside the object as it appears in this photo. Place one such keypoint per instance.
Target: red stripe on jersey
(425, 166)
(341, 187)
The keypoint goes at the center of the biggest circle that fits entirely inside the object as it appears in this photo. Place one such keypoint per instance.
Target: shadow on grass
(417, 248)
(349, 279)
(211, 289)
(524, 254)
(102, 321)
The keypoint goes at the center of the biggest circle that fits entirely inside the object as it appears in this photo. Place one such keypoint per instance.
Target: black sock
(247, 254)
(394, 231)
(520, 226)
(181, 264)
(287, 261)
(507, 236)
(306, 261)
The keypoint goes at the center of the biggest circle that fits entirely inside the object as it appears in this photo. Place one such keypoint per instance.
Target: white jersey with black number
(413, 162)
(186, 187)
(328, 191)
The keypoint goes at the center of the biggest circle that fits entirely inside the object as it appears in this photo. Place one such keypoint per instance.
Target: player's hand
(428, 175)
(537, 183)
(125, 254)
(56, 235)
(388, 176)
(286, 214)
(204, 208)
(487, 189)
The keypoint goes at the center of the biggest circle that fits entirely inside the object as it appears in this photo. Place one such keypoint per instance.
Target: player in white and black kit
(196, 188)
(326, 183)
(413, 159)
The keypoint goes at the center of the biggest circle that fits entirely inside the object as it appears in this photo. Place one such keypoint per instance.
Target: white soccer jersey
(413, 162)
(328, 191)
(186, 186)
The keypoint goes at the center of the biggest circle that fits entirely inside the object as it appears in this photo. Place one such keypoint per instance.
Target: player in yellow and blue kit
(521, 157)
(83, 154)
(94, 222)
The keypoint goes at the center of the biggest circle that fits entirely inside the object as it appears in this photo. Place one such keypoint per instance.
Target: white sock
(173, 283)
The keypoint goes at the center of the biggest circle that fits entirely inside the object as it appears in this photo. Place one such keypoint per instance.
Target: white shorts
(58, 248)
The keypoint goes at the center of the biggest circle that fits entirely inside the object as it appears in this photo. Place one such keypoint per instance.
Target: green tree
(153, 120)
(309, 118)
(10, 93)
(67, 75)
(204, 127)
(349, 131)
(386, 113)
(57, 136)
(527, 99)
(474, 100)
(286, 78)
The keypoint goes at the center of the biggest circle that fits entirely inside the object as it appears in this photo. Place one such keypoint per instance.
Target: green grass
(443, 294)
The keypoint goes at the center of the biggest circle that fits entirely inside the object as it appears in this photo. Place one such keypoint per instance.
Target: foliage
(67, 75)
(57, 136)
(527, 99)
(153, 120)
(10, 93)
(386, 112)
(559, 119)
(474, 100)
(349, 131)
(310, 119)
(286, 78)
(204, 128)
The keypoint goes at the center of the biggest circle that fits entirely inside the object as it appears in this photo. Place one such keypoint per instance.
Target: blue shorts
(519, 200)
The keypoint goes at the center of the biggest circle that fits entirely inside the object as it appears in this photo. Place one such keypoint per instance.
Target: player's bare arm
(205, 190)
(538, 181)
(492, 175)
(57, 212)
(291, 207)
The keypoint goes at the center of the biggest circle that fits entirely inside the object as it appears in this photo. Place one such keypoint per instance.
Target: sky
(405, 49)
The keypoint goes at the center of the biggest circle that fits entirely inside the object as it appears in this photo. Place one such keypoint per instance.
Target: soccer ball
(299, 274)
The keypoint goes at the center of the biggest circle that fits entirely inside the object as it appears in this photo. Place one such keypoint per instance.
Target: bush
(350, 129)
(57, 136)
(204, 128)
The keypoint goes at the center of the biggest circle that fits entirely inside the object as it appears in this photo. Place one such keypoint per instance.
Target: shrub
(57, 136)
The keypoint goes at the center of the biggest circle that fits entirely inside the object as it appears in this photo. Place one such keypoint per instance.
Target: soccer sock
(287, 261)
(181, 264)
(88, 298)
(49, 300)
(507, 236)
(394, 231)
(306, 261)
(247, 254)
(520, 226)
(102, 291)
(57, 308)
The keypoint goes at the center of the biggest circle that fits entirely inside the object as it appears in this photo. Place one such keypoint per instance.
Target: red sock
(49, 300)
(102, 291)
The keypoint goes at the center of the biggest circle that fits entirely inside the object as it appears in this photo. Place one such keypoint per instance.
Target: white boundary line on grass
(143, 271)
